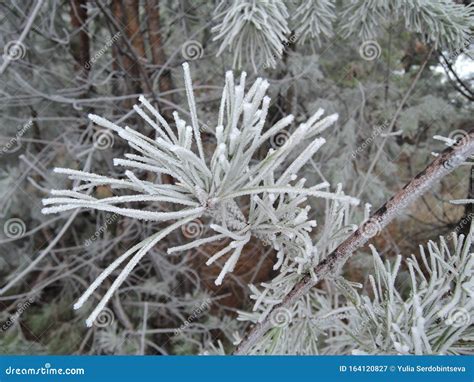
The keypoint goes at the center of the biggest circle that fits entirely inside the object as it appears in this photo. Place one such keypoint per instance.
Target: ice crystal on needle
(211, 185)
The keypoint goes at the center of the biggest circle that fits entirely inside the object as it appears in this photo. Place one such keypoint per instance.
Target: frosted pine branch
(447, 161)
(212, 185)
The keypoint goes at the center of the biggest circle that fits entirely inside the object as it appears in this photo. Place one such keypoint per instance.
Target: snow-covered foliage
(314, 19)
(278, 214)
(423, 304)
(257, 30)
(231, 179)
(254, 30)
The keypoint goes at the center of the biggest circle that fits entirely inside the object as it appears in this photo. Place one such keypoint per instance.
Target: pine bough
(422, 304)
(258, 30)
(214, 185)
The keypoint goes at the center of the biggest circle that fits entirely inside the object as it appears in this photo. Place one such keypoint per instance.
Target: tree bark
(165, 82)
(133, 34)
(152, 8)
(80, 44)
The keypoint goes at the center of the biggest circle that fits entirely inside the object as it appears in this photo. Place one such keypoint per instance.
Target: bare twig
(448, 68)
(446, 162)
(29, 23)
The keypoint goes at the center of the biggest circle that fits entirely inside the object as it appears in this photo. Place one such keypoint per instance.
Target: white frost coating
(209, 184)
(433, 315)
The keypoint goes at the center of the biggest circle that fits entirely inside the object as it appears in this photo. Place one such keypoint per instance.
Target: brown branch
(165, 82)
(132, 29)
(137, 60)
(155, 38)
(446, 162)
(80, 44)
(448, 68)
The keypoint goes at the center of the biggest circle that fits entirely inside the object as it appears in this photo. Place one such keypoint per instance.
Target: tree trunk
(152, 8)
(80, 44)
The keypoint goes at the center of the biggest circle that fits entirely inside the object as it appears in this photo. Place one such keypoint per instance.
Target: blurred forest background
(62, 59)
